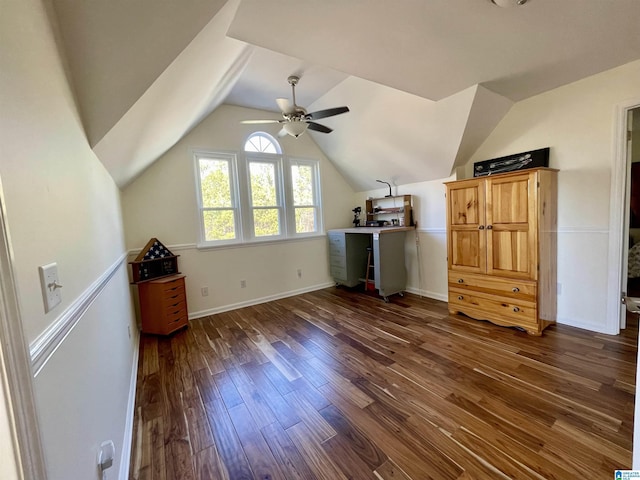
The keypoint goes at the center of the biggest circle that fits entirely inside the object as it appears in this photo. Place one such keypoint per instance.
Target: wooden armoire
(501, 248)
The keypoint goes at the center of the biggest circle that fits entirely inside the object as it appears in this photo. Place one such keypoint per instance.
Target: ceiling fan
(295, 119)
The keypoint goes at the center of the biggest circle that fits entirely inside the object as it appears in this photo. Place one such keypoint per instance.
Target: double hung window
(257, 195)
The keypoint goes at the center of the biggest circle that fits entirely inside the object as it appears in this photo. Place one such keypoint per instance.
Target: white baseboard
(570, 322)
(257, 301)
(127, 441)
(426, 293)
(291, 293)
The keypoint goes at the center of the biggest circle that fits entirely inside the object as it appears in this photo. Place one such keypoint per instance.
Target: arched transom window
(261, 142)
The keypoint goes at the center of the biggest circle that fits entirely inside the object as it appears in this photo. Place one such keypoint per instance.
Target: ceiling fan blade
(329, 112)
(319, 128)
(253, 122)
(285, 105)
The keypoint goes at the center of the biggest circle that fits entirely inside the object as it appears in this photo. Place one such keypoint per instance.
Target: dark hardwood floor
(336, 384)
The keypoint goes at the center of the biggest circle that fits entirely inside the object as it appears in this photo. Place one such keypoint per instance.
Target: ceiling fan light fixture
(508, 3)
(294, 128)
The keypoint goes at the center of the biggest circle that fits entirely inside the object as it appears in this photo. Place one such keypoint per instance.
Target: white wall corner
(127, 441)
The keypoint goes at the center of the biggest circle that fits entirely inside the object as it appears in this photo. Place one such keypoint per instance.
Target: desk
(348, 257)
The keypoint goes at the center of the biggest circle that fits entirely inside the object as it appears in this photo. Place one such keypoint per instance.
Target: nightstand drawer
(174, 299)
(178, 313)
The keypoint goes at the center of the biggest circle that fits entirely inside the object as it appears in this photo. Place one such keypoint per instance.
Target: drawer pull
(489, 227)
(516, 309)
(481, 227)
(460, 297)
(515, 289)
(460, 280)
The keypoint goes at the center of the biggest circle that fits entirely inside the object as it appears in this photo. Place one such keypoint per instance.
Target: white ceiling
(426, 80)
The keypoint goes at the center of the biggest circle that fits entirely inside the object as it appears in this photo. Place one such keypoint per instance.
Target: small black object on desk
(356, 216)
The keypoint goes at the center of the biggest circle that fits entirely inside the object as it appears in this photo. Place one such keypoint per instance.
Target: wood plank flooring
(336, 384)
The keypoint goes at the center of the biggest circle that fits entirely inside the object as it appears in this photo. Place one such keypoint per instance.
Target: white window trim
(317, 194)
(244, 219)
(236, 204)
(276, 160)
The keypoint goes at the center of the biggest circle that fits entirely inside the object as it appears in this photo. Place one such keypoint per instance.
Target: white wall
(161, 203)
(62, 206)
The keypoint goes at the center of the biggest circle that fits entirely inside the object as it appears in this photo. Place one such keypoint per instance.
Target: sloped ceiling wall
(426, 81)
(399, 137)
(118, 48)
(195, 83)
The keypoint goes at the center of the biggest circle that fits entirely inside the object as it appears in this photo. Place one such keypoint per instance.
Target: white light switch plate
(50, 286)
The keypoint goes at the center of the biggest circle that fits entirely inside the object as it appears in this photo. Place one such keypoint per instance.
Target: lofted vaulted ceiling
(426, 80)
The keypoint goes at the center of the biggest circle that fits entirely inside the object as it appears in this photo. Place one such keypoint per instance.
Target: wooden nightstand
(163, 305)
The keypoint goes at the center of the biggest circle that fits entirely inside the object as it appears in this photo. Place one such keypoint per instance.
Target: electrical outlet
(243, 284)
(50, 286)
(204, 291)
(299, 273)
(129, 330)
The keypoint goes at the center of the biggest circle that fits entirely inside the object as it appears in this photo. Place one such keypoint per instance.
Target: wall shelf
(386, 210)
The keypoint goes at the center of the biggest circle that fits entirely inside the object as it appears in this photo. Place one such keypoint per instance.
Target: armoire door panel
(466, 247)
(510, 253)
(465, 206)
(508, 201)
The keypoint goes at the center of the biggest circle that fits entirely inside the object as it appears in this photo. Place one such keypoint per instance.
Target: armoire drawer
(510, 287)
(494, 308)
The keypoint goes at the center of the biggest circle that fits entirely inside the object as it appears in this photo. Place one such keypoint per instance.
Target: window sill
(260, 243)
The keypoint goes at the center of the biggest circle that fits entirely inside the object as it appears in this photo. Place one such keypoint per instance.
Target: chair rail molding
(43, 347)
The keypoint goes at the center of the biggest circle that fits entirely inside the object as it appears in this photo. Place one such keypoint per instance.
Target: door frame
(617, 215)
(15, 367)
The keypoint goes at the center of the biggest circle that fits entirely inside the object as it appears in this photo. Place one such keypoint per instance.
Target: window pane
(302, 183)
(215, 183)
(219, 225)
(305, 220)
(263, 184)
(266, 222)
(260, 143)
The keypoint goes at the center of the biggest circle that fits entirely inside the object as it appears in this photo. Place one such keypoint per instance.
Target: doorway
(630, 267)
(633, 223)
(19, 431)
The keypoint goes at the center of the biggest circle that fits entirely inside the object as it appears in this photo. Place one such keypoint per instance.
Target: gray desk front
(348, 257)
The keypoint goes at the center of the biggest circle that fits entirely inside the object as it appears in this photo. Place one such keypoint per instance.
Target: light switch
(50, 286)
